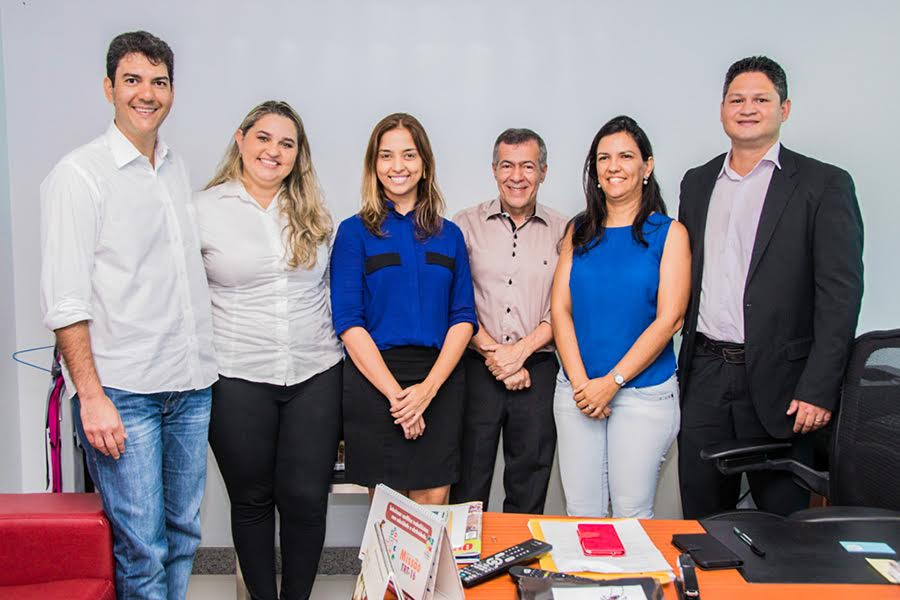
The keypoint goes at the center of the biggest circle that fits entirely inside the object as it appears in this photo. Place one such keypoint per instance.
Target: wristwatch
(618, 378)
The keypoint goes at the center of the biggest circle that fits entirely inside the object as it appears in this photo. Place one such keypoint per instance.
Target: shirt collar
(234, 188)
(770, 156)
(494, 209)
(124, 151)
(392, 211)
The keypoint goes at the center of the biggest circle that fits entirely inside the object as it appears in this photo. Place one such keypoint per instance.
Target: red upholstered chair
(55, 546)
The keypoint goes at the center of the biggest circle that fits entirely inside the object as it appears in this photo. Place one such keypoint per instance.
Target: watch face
(618, 379)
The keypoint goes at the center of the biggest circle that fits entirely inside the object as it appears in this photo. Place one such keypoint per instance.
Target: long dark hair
(589, 225)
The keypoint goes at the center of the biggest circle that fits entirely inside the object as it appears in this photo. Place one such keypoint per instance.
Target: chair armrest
(743, 514)
(53, 537)
(846, 513)
(737, 448)
(742, 456)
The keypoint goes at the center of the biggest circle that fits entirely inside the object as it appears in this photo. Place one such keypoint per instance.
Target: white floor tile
(333, 587)
(223, 587)
(212, 587)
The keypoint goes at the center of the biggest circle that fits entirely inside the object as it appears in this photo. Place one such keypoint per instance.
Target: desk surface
(504, 530)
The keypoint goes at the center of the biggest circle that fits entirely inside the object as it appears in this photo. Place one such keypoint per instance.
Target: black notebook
(708, 552)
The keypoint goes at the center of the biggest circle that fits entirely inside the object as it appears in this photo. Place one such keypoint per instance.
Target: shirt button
(514, 254)
(508, 309)
(514, 244)
(507, 338)
(515, 236)
(510, 282)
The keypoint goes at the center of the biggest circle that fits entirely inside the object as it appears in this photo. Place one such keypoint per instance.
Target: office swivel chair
(863, 482)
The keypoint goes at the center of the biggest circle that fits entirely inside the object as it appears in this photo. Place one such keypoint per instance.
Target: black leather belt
(728, 351)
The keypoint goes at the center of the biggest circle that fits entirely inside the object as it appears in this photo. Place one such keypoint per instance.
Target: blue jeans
(152, 494)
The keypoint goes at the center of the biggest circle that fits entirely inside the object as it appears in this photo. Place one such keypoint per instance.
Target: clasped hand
(412, 428)
(594, 395)
(504, 360)
(408, 408)
(519, 380)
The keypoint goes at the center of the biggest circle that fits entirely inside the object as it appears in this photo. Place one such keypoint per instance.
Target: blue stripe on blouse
(403, 291)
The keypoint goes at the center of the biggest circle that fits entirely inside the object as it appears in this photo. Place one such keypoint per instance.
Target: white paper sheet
(627, 592)
(640, 554)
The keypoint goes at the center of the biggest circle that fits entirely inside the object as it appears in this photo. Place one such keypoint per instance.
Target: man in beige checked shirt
(510, 364)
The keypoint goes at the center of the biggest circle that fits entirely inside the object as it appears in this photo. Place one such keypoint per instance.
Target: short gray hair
(516, 136)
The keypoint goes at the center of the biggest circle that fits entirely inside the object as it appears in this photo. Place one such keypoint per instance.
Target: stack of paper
(463, 522)
(641, 555)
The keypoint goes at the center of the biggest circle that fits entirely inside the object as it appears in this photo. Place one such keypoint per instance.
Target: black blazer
(803, 289)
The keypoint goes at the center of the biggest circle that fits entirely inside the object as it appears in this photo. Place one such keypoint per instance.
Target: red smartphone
(599, 539)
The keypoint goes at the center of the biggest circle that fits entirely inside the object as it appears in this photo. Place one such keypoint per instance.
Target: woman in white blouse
(276, 412)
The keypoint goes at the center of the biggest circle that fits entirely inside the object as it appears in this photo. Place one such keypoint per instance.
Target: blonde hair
(309, 223)
(430, 204)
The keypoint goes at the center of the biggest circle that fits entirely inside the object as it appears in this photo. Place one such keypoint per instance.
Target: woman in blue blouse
(402, 302)
(619, 295)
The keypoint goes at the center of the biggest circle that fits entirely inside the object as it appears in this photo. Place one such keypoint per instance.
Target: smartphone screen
(600, 539)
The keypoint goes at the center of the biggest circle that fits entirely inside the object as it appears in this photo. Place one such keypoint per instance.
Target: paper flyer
(418, 557)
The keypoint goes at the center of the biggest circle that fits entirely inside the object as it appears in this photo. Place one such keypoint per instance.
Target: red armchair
(55, 546)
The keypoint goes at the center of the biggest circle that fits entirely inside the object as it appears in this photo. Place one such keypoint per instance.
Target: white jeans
(615, 459)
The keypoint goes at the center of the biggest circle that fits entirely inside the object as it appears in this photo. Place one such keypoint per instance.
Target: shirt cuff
(464, 319)
(65, 313)
(344, 324)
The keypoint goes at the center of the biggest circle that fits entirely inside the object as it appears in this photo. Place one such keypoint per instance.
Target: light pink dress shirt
(512, 267)
(731, 223)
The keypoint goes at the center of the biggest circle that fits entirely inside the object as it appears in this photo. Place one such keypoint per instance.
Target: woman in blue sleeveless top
(619, 295)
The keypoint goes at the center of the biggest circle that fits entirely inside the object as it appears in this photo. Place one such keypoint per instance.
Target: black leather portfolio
(806, 552)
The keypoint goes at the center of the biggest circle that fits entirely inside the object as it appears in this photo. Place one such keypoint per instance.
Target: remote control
(499, 563)
(519, 572)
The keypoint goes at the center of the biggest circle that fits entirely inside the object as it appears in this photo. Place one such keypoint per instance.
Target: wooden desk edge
(503, 530)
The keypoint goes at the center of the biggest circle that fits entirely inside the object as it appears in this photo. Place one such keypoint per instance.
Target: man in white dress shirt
(124, 289)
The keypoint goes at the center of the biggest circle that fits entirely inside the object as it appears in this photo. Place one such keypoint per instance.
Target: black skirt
(376, 450)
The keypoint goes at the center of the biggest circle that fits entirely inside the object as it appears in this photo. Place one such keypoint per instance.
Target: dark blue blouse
(403, 291)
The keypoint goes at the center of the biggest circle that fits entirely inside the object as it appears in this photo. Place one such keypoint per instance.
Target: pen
(746, 539)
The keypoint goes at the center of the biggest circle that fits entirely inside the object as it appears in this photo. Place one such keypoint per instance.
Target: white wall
(10, 444)
(467, 69)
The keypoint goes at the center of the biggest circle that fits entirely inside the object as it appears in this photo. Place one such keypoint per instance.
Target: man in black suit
(777, 281)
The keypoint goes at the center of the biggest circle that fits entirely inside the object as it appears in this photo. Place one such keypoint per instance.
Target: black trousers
(716, 407)
(529, 434)
(276, 447)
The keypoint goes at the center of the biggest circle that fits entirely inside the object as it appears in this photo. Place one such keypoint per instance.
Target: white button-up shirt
(121, 251)
(271, 323)
(731, 223)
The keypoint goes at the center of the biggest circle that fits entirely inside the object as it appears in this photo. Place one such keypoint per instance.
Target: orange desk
(504, 530)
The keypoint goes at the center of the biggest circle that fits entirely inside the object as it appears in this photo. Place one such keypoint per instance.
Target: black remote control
(499, 563)
(519, 572)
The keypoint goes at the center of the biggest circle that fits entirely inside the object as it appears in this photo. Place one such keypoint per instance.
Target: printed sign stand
(407, 547)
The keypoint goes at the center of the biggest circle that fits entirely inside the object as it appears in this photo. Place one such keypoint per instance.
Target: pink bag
(54, 424)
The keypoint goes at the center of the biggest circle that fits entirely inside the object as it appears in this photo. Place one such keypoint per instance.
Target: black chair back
(865, 456)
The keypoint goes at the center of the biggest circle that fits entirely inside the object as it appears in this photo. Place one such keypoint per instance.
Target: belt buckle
(734, 356)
